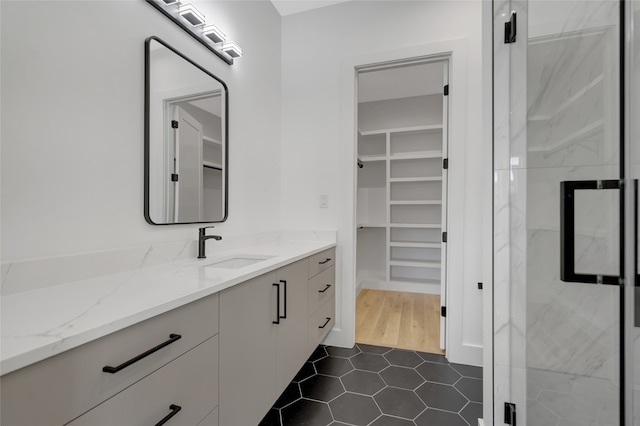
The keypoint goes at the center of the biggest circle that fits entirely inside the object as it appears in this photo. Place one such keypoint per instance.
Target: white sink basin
(239, 261)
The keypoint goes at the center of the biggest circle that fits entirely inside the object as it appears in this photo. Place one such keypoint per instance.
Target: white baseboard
(401, 286)
(480, 422)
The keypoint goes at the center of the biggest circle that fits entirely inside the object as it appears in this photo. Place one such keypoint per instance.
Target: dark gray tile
(399, 403)
(471, 388)
(305, 372)
(271, 419)
(440, 359)
(321, 388)
(392, 421)
(442, 397)
(401, 377)
(354, 409)
(330, 376)
(380, 350)
(332, 366)
(318, 354)
(289, 395)
(403, 358)
(369, 362)
(364, 382)
(439, 373)
(472, 412)
(307, 413)
(439, 418)
(343, 352)
(468, 370)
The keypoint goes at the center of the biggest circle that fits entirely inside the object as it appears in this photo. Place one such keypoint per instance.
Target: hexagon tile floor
(377, 386)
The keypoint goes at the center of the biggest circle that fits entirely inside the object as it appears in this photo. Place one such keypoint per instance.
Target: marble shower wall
(555, 119)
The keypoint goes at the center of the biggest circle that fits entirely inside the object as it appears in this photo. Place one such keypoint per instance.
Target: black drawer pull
(325, 289)
(328, 259)
(325, 323)
(113, 370)
(174, 410)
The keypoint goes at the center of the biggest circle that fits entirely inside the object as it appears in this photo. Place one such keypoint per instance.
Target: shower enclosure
(565, 240)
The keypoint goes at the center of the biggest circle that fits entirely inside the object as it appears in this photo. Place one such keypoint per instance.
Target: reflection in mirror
(185, 139)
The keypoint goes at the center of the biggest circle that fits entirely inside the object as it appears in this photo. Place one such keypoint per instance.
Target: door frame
(469, 351)
(445, 59)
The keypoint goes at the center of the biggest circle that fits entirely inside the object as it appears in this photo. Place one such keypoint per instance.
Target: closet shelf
(401, 130)
(211, 140)
(371, 225)
(414, 280)
(416, 225)
(415, 264)
(416, 203)
(366, 158)
(410, 244)
(416, 155)
(416, 179)
(212, 165)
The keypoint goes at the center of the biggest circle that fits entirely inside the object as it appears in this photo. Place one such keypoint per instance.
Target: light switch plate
(324, 201)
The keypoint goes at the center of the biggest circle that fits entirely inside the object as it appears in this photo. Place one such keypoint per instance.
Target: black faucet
(202, 238)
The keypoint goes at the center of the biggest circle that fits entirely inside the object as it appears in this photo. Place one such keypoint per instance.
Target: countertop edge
(60, 345)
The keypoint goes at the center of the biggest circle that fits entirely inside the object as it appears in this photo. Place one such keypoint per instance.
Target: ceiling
(289, 7)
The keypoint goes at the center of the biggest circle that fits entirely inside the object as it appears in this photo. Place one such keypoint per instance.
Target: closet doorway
(401, 212)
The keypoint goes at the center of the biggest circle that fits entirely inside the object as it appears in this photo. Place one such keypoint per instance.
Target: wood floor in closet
(399, 320)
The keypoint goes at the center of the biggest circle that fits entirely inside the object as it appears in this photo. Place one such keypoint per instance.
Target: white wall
(318, 49)
(72, 106)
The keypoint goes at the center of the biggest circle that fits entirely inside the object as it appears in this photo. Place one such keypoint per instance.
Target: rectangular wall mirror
(186, 139)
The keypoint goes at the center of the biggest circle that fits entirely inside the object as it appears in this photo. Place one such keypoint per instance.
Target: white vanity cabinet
(59, 389)
(262, 347)
(221, 360)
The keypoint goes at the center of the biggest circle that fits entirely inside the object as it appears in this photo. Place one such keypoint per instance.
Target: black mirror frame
(147, 141)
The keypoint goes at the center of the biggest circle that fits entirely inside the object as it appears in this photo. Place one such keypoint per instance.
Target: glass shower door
(558, 213)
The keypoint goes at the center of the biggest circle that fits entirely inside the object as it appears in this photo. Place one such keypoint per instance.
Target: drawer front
(321, 261)
(321, 323)
(321, 288)
(189, 382)
(69, 384)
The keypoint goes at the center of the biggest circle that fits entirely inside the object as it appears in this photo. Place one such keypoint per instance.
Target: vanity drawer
(321, 323)
(189, 382)
(321, 261)
(321, 288)
(60, 388)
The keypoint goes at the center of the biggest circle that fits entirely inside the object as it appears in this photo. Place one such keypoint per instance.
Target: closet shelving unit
(211, 153)
(402, 204)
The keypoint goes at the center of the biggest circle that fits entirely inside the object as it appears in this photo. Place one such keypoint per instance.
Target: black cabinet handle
(328, 259)
(174, 410)
(325, 289)
(325, 323)
(567, 231)
(113, 370)
(277, 321)
(284, 282)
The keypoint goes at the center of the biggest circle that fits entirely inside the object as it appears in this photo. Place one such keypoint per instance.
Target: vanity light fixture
(190, 19)
(191, 14)
(214, 34)
(232, 49)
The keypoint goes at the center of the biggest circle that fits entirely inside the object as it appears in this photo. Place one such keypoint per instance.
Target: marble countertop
(42, 323)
